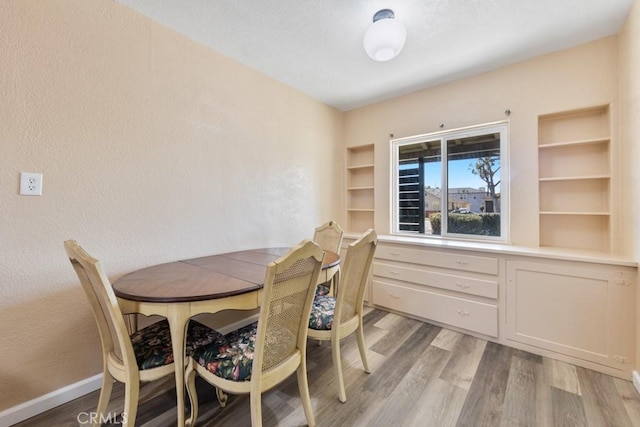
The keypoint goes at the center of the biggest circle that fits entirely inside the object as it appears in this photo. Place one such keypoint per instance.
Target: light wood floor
(422, 375)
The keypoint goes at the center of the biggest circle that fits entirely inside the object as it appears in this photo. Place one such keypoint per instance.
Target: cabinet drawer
(471, 315)
(473, 263)
(468, 285)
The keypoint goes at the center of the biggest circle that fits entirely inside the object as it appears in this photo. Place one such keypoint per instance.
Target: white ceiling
(315, 46)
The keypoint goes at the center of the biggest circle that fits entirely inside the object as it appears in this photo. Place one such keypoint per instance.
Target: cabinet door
(574, 310)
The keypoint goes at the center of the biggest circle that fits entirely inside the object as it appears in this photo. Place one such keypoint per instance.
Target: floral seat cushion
(231, 357)
(323, 289)
(322, 310)
(152, 345)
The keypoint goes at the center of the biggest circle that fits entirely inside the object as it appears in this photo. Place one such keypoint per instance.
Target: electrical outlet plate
(30, 184)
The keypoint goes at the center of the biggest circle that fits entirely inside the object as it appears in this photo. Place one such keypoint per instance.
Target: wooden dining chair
(255, 358)
(333, 318)
(143, 356)
(329, 237)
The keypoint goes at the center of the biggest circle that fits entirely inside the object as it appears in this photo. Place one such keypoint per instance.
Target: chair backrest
(289, 288)
(329, 236)
(111, 325)
(354, 274)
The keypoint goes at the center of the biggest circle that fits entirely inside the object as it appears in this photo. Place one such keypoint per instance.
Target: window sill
(507, 249)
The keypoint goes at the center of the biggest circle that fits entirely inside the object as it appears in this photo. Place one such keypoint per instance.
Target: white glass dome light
(384, 38)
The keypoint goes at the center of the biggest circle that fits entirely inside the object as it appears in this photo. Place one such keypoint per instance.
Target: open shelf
(575, 195)
(574, 160)
(585, 124)
(574, 213)
(360, 220)
(574, 172)
(360, 177)
(574, 178)
(360, 187)
(575, 231)
(573, 143)
(360, 198)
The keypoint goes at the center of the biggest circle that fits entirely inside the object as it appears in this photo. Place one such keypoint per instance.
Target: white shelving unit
(360, 187)
(574, 165)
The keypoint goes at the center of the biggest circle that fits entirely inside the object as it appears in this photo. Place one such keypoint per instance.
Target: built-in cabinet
(580, 310)
(455, 289)
(360, 188)
(572, 298)
(575, 180)
(577, 309)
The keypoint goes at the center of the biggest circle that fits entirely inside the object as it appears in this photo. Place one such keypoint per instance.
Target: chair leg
(105, 395)
(255, 400)
(303, 385)
(362, 347)
(222, 397)
(132, 322)
(190, 381)
(335, 280)
(337, 367)
(131, 395)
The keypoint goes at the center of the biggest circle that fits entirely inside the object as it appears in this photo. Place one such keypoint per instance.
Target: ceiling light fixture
(384, 38)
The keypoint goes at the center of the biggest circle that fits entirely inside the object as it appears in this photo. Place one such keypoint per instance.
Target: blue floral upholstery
(322, 310)
(152, 345)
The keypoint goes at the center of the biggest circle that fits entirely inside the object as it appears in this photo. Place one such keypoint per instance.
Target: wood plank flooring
(421, 375)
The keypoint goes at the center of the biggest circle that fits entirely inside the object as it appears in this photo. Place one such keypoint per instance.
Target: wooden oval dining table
(182, 289)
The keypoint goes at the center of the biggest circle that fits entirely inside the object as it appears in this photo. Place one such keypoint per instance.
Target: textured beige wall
(629, 51)
(573, 78)
(153, 148)
(629, 89)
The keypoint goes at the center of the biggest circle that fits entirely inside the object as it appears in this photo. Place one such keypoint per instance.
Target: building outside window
(465, 196)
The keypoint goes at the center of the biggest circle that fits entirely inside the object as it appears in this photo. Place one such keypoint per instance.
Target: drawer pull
(462, 262)
(394, 296)
(620, 359)
(462, 312)
(463, 285)
(394, 253)
(394, 273)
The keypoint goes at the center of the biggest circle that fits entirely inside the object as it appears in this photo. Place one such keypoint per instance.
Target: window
(464, 196)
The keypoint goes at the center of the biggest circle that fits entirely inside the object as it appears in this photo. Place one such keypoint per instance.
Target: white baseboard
(239, 324)
(224, 326)
(50, 400)
(636, 381)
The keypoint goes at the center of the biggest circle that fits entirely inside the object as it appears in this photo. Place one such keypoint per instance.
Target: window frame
(501, 127)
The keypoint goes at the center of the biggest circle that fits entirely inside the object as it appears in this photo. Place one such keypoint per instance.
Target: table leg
(132, 322)
(178, 317)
